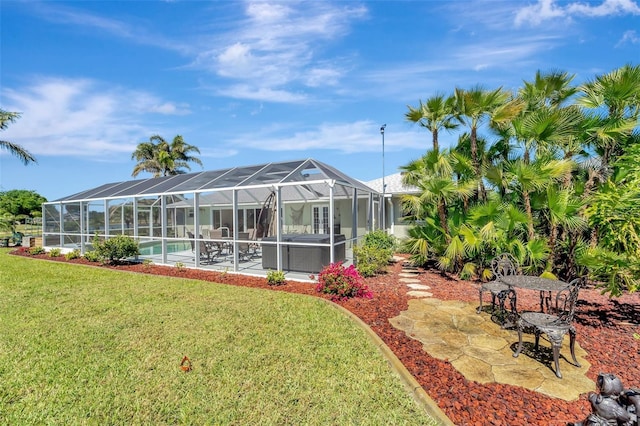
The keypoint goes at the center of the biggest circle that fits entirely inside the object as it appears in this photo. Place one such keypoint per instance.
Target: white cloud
(359, 136)
(279, 45)
(265, 94)
(606, 8)
(630, 36)
(539, 12)
(545, 10)
(65, 15)
(81, 117)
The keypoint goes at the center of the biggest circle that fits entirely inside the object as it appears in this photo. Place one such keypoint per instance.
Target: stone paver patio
(483, 352)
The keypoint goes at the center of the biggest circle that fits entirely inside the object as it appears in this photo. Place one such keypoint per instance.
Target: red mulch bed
(605, 330)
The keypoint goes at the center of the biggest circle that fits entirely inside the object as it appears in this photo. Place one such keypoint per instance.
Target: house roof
(393, 185)
(308, 179)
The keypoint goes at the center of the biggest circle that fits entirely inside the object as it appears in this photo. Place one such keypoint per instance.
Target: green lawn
(81, 345)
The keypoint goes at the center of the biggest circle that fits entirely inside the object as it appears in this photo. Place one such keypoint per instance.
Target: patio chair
(502, 265)
(555, 323)
(192, 241)
(208, 250)
(244, 248)
(254, 246)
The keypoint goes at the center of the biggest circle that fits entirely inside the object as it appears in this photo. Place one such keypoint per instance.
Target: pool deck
(225, 263)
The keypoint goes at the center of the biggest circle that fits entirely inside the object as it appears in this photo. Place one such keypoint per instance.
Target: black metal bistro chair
(555, 323)
(502, 265)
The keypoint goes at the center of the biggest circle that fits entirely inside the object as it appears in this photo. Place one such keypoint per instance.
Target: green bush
(371, 260)
(75, 254)
(55, 252)
(37, 250)
(275, 277)
(116, 249)
(374, 254)
(92, 256)
(380, 239)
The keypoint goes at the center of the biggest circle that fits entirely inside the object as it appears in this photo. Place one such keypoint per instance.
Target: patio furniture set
(218, 245)
(308, 253)
(555, 318)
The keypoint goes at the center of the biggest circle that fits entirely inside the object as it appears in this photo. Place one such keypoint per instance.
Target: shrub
(55, 252)
(179, 266)
(275, 277)
(75, 254)
(375, 252)
(371, 260)
(116, 249)
(92, 256)
(37, 250)
(342, 283)
(380, 239)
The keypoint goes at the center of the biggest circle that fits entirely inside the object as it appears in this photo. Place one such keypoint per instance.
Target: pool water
(155, 247)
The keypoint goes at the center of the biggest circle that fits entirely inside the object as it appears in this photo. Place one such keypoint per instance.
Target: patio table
(544, 285)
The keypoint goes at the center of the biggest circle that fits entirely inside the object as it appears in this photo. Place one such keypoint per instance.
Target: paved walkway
(481, 350)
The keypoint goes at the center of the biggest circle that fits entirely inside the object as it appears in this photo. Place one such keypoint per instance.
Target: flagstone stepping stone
(419, 293)
(418, 286)
(408, 274)
(409, 280)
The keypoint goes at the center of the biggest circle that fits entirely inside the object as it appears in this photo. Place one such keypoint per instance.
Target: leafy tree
(19, 202)
(161, 158)
(15, 149)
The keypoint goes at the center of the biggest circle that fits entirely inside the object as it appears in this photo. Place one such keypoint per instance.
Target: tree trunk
(434, 134)
(442, 214)
(594, 238)
(474, 150)
(553, 236)
(527, 208)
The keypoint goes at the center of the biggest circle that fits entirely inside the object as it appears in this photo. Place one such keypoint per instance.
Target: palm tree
(161, 158)
(563, 209)
(435, 114)
(433, 174)
(477, 105)
(550, 89)
(15, 149)
(526, 178)
(619, 93)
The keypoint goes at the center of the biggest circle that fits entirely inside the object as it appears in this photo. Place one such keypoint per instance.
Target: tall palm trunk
(527, 208)
(553, 237)
(482, 192)
(434, 135)
(442, 215)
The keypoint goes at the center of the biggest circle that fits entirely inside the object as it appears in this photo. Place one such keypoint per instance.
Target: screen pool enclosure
(293, 216)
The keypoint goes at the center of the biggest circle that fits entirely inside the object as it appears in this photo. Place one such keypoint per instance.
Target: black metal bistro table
(545, 286)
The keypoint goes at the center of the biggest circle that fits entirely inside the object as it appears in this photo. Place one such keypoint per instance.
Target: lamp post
(384, 186)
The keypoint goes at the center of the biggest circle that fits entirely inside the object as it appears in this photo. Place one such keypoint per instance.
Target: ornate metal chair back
(566, 300)
(504, 264)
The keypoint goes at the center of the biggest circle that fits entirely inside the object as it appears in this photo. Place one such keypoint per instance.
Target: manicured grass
(81, 345)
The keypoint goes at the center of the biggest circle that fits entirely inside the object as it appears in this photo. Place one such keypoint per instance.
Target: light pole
(384, 186)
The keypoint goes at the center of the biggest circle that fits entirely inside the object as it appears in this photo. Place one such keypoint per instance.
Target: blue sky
(253, 82)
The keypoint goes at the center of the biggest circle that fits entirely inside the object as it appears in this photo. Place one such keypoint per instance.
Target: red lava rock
(604, 326)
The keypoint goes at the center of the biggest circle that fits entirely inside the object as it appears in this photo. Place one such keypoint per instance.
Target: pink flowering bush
(342, 283)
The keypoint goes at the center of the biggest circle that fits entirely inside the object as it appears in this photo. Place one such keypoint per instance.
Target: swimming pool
(155, 247)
